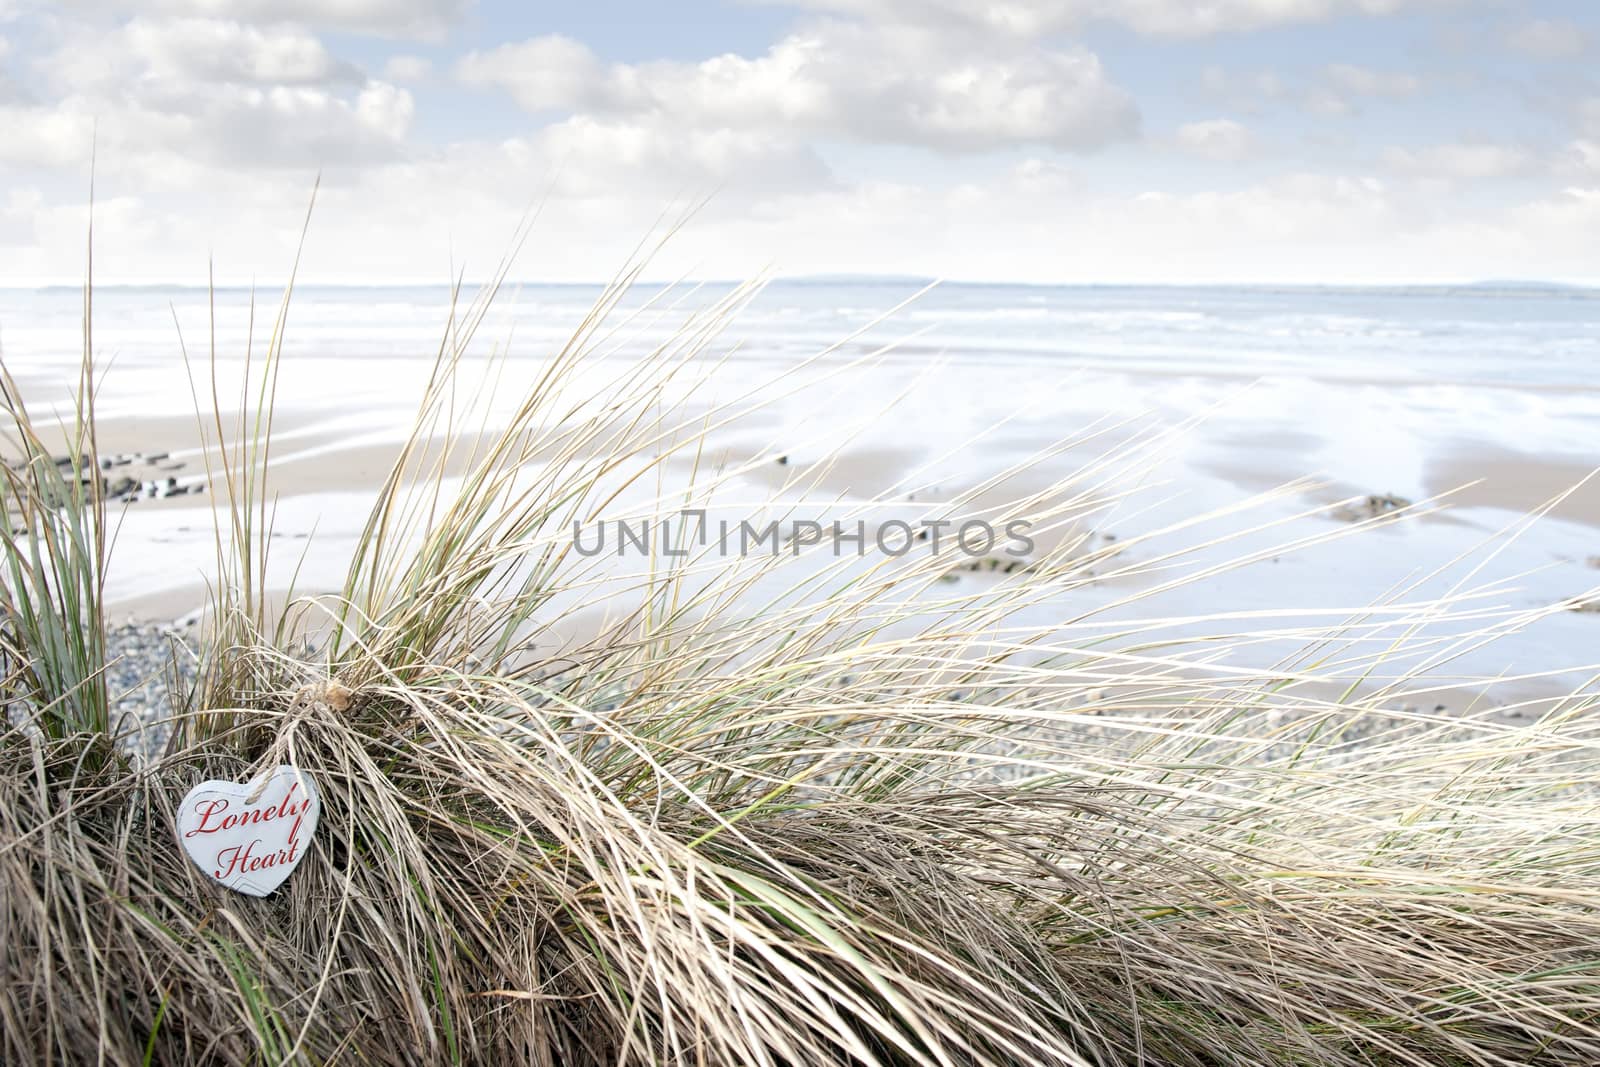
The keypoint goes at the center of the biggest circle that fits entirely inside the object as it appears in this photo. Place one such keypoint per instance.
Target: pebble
(139, 657)
(1370, 508)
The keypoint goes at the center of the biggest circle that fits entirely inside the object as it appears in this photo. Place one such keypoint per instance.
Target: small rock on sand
(1373, 506)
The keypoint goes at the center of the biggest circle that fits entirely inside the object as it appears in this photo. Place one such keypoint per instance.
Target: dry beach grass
(866, 819)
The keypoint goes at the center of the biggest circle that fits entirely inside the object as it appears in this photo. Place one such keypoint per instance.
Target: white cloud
(1164, 17)
(10, 91)
(586, 156)
(178, 54)
(1034, 221)
(167, 95)
(1326, 103)
(1330, 92)
(1563, 226)
(1366, 82)
(1549, 39)
(1342, 81)
(1263, 84)
(1466, 159)
(1299, 227)
(1215, 139)
(288, 127)
(1033, 177)
(1582, 158)
(1314, 208)
(885, 85)
(221, 126)
(17, 214)
(1588, 116)
(389, 18)
(405, 68)
(45, 137)
(550, 73)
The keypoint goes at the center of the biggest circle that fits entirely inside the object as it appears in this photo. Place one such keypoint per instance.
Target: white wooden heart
(250, 845)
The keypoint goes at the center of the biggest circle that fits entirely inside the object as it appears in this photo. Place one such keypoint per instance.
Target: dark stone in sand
(1010, 565)
(783, 461)
(1373, 506)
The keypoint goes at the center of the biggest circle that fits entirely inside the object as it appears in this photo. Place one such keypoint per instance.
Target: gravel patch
(140, 672)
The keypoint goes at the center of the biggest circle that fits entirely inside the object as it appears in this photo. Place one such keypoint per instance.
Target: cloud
(221, 126)
(1549, 39)
(1315, 208)
(175, 55)
(166, 95)
(550, 73)
(1581, 158)
(1363, 81)
(1183, 18)
(1588, 116)
(407, 69)
(286, 127)
(387, 18)
(1330, 92)
(1222, 140)
(17, 214)
(586, 156)
(1466, 160)
(1264, 84)
(45, 137)
(1032, 221)
(11, 92)
(1562, 226)
(1299, 227)
(880, 85)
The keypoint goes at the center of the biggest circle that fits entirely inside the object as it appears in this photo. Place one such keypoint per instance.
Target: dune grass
(868, 819)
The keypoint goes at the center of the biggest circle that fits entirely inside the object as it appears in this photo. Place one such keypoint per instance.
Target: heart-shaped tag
(250, 845)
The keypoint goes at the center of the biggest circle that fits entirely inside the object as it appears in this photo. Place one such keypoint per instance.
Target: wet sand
(1486, 476)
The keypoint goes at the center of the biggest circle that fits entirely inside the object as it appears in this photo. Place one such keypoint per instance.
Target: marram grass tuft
(872, 822)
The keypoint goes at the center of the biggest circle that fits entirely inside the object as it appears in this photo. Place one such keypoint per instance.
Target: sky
(1166, 141)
